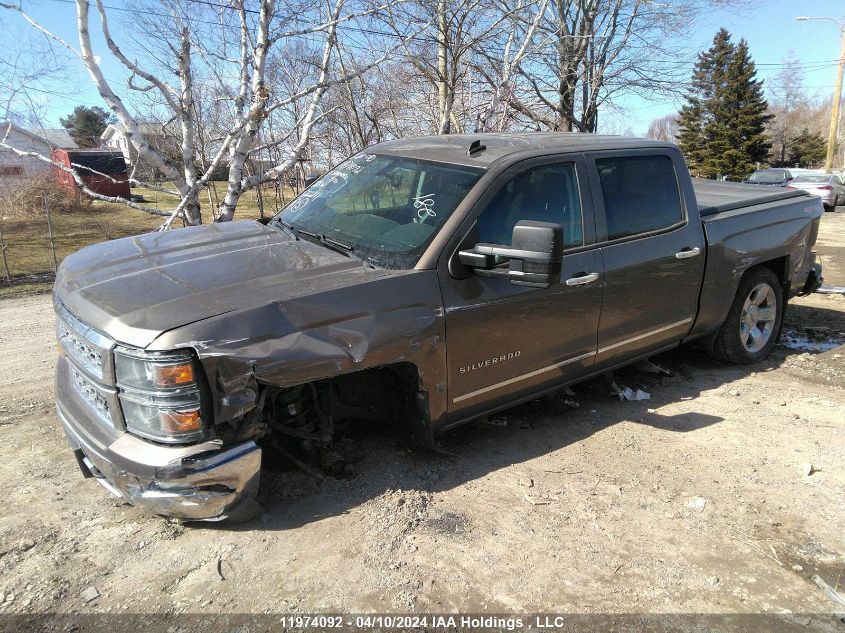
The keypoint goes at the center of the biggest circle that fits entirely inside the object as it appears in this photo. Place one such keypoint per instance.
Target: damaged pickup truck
(424, 282)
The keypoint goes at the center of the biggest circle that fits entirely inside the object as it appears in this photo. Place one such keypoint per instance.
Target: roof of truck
(454, 148)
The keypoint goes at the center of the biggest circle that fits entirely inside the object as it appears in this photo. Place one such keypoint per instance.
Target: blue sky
(769, 26)
(771, 31)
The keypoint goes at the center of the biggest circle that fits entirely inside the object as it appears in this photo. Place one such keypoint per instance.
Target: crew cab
(425, 282)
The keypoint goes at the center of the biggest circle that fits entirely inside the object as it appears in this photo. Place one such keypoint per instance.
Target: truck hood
(136, 288)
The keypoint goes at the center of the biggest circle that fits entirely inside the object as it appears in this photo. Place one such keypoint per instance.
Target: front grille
(86, 348)
(96, 398)
(89, 354)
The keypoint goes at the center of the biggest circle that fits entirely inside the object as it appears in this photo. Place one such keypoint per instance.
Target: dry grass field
(30, 257)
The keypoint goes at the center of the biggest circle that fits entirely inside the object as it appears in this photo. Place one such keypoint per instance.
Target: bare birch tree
(252, 100)
(462, 28)
(664, 128)
(594, 49)
(788, 103)
(500, 67)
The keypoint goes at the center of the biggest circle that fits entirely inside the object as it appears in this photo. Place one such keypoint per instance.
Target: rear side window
(640, 194)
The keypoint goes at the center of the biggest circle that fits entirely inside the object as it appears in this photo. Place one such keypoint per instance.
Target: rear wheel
(754, 321)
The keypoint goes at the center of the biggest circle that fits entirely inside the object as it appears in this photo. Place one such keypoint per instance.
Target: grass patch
(27, 239)
(24, 289)
(249, 204)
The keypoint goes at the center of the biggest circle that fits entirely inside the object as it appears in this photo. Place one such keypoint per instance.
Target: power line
(808, 66)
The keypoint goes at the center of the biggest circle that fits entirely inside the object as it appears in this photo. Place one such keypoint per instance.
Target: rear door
(652, 250)
(506, 341)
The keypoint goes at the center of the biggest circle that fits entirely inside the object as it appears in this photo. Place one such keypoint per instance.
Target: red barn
(102, 171)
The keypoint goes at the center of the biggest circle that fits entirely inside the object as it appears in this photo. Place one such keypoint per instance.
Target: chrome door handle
(688, 252)
(583, 279)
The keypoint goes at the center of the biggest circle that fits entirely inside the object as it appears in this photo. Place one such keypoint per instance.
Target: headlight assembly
(160, 395)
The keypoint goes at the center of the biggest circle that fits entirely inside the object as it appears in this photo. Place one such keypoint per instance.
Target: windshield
(818, 179)
(769, 175)
(387, 209)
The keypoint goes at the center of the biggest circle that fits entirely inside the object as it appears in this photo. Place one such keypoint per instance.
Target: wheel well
(304, 422)
(779, 266)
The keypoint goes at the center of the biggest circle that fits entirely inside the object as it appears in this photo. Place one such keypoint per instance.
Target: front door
(504, 341)
(653, 253)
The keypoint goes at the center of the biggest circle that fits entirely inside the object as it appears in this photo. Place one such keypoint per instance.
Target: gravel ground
(697, 501)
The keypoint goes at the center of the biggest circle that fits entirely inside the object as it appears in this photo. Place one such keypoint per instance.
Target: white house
(43, 141)
(114, 138)
(164, 140)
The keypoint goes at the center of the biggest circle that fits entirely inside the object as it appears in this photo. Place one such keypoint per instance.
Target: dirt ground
(697, 501)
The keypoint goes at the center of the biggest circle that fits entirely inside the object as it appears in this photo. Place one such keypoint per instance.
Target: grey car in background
(828, 187)
(774, 177)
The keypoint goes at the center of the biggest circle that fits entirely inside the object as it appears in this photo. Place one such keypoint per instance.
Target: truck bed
(716, 197)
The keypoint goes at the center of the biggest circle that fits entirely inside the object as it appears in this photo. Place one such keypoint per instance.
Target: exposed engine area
(301, 421)
(301, 426)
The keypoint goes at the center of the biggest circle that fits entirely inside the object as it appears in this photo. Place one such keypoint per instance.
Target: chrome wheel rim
(757, 321)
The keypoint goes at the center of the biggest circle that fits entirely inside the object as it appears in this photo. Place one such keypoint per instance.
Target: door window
(640, 194)
(547, 193)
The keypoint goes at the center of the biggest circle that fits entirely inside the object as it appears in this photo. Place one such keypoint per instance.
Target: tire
(751, 329)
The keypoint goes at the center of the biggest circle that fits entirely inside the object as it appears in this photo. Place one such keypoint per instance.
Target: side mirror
(310, 180)
(534, 254)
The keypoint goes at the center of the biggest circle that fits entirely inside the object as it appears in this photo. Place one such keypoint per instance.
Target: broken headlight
(160, 395)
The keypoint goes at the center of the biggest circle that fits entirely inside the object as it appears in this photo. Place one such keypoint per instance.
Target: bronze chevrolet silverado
(424, 281)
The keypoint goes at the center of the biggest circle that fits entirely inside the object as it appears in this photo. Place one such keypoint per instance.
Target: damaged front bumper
(199, 482)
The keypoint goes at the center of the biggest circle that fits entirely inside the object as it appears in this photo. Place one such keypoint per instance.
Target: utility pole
(834, 113)
(837, 93)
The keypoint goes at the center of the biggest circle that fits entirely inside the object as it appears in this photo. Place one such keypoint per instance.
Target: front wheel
(754, 321)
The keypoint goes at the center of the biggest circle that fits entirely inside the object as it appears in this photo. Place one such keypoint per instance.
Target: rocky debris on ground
(89, 594)
(401, 510)
(697, 503)
(810, 469)
(26, 544)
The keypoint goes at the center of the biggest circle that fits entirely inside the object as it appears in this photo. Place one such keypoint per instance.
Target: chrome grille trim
(103, 402)
(90, 366)
(85, 347)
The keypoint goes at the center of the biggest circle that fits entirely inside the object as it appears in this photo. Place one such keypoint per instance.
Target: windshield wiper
(343, 248)
(329, 242)
(287, 227)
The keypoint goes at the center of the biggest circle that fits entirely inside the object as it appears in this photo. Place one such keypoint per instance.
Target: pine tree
(86, 124)
(808, 149)
(695, 118)
(722, 125)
